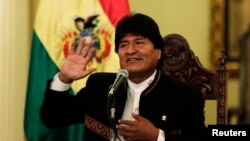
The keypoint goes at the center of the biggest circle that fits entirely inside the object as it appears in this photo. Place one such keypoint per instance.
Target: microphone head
(123, 72)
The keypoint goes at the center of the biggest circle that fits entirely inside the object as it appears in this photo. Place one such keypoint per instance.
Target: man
(149, 106)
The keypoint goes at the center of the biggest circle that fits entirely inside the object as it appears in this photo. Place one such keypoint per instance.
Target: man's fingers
(80, 46)
(123, 128)
(89, 54)
(136, 116)
(86, 49)
(126, 122)
(72, 48)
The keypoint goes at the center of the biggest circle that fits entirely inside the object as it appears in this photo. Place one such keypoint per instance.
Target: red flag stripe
(115, 9)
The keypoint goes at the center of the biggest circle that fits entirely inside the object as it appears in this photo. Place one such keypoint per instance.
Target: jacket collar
(153, 84)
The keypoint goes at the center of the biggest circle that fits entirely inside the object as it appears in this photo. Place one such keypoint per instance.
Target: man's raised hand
(75, 65)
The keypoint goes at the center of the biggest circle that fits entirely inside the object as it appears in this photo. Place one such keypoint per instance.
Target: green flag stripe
(41, 69)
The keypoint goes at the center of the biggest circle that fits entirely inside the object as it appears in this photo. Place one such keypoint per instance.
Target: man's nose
(131, 48)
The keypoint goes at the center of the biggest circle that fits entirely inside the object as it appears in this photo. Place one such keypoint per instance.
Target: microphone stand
(111, 103)
(111, 113)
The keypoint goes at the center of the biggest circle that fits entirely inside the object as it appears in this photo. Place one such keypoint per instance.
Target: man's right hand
(76, 64)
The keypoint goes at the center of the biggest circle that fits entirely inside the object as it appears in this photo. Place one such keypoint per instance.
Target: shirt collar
(143, 85)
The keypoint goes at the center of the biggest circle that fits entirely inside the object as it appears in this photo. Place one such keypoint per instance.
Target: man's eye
(139, 42)
(122, 45)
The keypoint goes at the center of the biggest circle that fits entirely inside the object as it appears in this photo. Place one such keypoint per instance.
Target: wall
(14, 57)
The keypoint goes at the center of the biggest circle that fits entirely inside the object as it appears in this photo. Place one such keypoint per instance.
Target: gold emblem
(164, 118)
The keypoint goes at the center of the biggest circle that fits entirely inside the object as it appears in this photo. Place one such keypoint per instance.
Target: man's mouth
(133, 59)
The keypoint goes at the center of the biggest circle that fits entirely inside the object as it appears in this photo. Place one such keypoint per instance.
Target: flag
(57, 24)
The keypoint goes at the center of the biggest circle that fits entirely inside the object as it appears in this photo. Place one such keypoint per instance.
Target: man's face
(138, 55)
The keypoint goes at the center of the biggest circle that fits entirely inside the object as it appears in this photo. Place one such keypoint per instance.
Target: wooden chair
(180, 62)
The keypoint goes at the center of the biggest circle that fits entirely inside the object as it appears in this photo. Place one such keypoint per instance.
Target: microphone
(120, 77)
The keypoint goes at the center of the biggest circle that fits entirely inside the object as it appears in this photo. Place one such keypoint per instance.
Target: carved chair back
(180, 62)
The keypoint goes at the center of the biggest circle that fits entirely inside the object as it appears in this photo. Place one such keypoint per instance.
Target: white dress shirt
(132, 102)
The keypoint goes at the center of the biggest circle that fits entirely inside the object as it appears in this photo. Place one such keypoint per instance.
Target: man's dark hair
(140, 24)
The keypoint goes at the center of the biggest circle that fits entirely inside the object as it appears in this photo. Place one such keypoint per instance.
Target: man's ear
(158, 53)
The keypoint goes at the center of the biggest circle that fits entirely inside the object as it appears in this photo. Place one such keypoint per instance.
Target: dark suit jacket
(170, 104)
